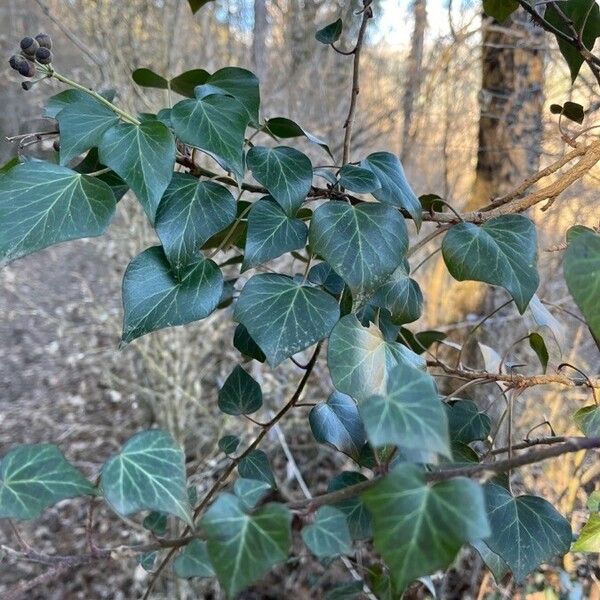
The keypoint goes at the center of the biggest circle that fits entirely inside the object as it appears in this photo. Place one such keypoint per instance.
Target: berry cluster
(37, 50)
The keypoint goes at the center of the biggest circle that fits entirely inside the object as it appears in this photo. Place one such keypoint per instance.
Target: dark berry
(26, 69)
(43, 56)
(29, 46)
(44, 40)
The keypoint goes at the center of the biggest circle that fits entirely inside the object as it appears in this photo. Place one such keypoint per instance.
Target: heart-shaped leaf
(395, 189)
(589, 537)
(243, 547)
(240, 394)
(358, 179)
(91, 164)
(364, 244)
(465, 422)
(410, 414)
(582, 274)
(588, 420)
(503, 252)
(186, 82)
(215, 124)
(401, 295)
(337, 423)
(361, 361)
(323, 275)
(280, 127)
(36, 476)
(42, 204)
(418, 528)
(148, 474)
(251, 491)
(525, 530)
(329, 534)
(285, 172)
(143, 156)
(283, 316)
(229, 443)
(196, 5)
(256, 466)
(358, 517)
(156, 522)
(330, 33)
(246, 345)
(154, 298)
(271, 233)
(189, 214)
(193, 561)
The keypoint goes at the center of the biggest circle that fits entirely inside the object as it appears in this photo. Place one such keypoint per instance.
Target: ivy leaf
(271, 233)
(582, 274)
(330, 33)
(500, 9)
(571, 110)
(148, 474)
(588, 420)
(395, 189)
(401, 295)
(244, 547)
(284, 171)
(410, 413)
(193, 561)
(229, 443)
(346, 591)
(589, 537)
(59, 101)
(465, 422)
(91, 163)
(256, 466)
(538, 345)
(418, 528)
(323, 275)
(189, 214)
(42, 204)
(328, 535)
(147, 560)
(364, 244)
(584, 16)
(251, 492)
(196, 5)
(494, 563)
(148, 78)
(358, 179)
(82, 124)
(337, 423)
(501, 252)
(422, 340)
(240, 394)
(143, 156)
(246, 345)
(153, 298)
(280, 127)
(283, 316)
(525, 530)
(358, 517)
(361, 361)
(36, 476)
(215, 124)
(186, 82)
(7, 166)
(156, 522)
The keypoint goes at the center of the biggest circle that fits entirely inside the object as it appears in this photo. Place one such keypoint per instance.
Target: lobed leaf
(328, 535)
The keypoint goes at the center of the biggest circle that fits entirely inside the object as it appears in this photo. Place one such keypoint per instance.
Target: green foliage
(251, 491)
(193, 561)
(240, 394)
(588, 420)
(229, 443)
(589, 537)
(196, 5)
(465, 422)
(500, 9)
(255, 465)
(329, 534)
(330, 33)
(358, 179)
(401, 295)
(360, 523)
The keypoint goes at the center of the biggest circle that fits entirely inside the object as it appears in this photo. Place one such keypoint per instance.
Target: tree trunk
(259, 40)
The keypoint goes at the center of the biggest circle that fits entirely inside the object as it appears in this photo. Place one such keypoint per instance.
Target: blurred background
(463, 101)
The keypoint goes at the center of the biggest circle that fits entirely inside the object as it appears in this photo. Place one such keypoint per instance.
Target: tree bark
(259, 39)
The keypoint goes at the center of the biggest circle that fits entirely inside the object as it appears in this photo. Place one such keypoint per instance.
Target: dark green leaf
(193, 561)
(283, 316)
(345, 591)
(285, 172)
(361, 361)
(251, 492)
(147, 560)
(91, 163)
(418, 528)
(281, 127)
(148, 474)
(42, 204)
(589, 537)
(364, 244)
(61, 100)
(256, 466)
(466, 423)
(189, 214)
(584, 16)
(148, 78)
(240, 394)
(246, 345)
(573, 111)
(588, 420)
(337, 423)
(330, 33)
(401, 295)
(500, 9)
(410, 414)
(7, 166)
(82, 124)
(215, 124)
(156, 522)
(422, 340)
(432, 203)
(582, 274)
(186, 82)
(271, 233)
(229, 443)
(153, 298)
(503, 252)
(358, 517)
(242, 547)
(494, 563)
(323, 275)
(395, 189)
(196, 5)
(144, 156)
(525, 530)
(36, 476)
(536, 341)
(357, 179)
(328, 535)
